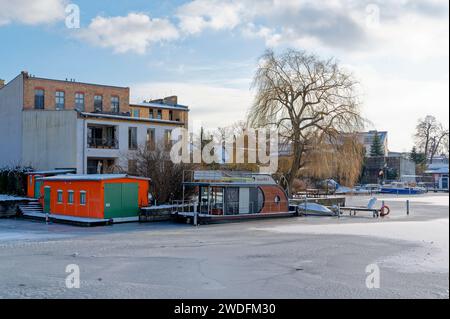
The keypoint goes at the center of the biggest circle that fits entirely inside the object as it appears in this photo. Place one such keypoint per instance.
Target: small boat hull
(401, 191)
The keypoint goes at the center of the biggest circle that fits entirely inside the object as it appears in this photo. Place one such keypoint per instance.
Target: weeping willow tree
(341, 159)
(311, 102)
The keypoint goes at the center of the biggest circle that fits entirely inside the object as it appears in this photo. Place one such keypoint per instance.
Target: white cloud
(215, 106)
(394, 102)
(31, 12)
(198, 15)
(135, 32)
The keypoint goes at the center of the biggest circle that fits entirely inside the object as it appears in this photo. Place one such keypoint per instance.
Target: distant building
(388, 168)
(49, 124)
(438, 171)
(366, 139)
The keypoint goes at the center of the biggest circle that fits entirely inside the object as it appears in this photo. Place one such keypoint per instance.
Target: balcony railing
(108, 143)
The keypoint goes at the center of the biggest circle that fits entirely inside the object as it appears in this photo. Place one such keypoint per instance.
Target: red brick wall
(70, 88)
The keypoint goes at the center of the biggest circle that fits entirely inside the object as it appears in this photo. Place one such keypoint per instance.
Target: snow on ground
(4, 198)
(429, 200)
(432, 236)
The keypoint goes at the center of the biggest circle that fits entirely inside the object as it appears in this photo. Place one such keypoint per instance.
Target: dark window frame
(80, 96)
(98, 102)
(132, 138)
(39, 100)
(60, 99)
(115, 103)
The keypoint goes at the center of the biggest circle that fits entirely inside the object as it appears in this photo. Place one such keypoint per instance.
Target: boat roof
(55, 171)
(440, 170)
(227, 178)
(90, 177)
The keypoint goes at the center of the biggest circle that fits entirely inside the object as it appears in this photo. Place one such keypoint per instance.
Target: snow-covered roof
(439, 170)
(89, 177)
(6, 198)
(55, 171)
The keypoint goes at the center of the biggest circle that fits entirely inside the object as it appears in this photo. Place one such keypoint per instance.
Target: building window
(79, 101)
(168, 139)
(59, 196)
(151, 138)
(132, 138)
(98, 103)
(70, 197)
(150, 114)
(136, 113)
(115, 105)
(159, 115)
(82, 198)
(39, 99)
(60, 100)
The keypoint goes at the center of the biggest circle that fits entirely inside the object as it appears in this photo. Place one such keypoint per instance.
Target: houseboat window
(79, 101)
(150, 113)
(60, 196)
(60, 100)
(232, 201)
(115, 105)
(82, 198)
(256, 200)
(170, 115)
(217, 200)
(159, 115)
(204, 200)
(70, 197)
(98, 103)
(132, 138)
(39, 99)
(136, 113)
(277, 199)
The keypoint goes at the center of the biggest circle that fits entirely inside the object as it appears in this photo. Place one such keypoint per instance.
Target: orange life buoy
(385, 210)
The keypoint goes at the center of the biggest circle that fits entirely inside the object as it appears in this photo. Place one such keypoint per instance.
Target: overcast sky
(206, 51)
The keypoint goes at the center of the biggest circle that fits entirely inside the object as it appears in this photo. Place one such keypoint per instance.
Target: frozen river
(304, 257)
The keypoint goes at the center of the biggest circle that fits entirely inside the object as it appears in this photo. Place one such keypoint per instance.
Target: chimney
(171, 100)
(2, 83)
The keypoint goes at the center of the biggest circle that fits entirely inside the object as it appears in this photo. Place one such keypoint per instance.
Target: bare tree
(431, 137)
(307, 99)
(166, 177)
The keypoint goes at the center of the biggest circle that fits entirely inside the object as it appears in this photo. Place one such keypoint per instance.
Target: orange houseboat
(102, 196)
(34, 180)
(232, 195)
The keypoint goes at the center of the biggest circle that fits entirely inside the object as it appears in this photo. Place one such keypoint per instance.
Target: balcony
(102, 137)
(109, 143)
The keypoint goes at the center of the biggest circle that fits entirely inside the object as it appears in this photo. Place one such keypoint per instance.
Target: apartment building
(49, 124)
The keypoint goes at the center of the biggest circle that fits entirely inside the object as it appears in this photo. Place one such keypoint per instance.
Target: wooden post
(407, 207)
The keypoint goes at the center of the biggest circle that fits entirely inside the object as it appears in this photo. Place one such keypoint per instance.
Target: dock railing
(183, 206)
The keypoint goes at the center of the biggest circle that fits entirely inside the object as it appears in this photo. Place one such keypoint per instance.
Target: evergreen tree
(418, 158)
(413, 155)
(376, 149)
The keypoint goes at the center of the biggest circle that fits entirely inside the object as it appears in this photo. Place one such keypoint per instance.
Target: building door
(244, 200)
(444, 182)
(121, 200)
(37, 188)
(47, 199)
